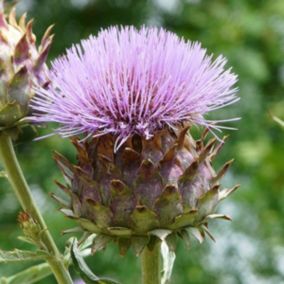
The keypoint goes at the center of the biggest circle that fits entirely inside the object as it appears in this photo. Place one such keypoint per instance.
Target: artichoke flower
(129, 99)
(22, 66)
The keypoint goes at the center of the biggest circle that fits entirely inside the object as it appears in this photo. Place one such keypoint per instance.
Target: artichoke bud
(31, 229)
(22, 66)
(165, 183)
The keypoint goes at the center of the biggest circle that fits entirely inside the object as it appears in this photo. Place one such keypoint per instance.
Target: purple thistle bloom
(128, 81)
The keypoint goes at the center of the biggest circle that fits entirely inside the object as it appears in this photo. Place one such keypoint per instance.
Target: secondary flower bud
(22, 66)
(31, 229)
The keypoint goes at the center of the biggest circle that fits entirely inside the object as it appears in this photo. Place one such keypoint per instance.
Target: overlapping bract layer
(166, 182)
(22, 65)
(128, 81)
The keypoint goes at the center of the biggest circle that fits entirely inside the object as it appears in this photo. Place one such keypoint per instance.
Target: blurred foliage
(250, 33)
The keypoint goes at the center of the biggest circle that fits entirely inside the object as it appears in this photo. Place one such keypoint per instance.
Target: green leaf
(278, 120)
(87, 242)
(3, 174)
(27, 240)
(30, 275)
(168, 257)
(20, 255)
(82, 268)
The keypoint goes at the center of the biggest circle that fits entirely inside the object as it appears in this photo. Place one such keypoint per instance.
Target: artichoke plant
(22, 66)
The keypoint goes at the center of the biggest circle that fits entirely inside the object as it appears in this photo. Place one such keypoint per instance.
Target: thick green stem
(23, 193)
(151, 265)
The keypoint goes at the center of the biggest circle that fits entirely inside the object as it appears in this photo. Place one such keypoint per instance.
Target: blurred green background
(250, 33)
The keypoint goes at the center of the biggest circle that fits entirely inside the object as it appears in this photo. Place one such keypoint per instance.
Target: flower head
(129, 81)
(150, 83)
